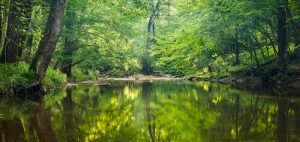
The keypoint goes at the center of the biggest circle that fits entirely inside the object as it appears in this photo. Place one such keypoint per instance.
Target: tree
(48, 42)
(237, 50)
(3, 17)
(1, 23)
(294, 17)
(70, 46)
(18, 24)
(146, 65)
(282, 32)
(101, 37)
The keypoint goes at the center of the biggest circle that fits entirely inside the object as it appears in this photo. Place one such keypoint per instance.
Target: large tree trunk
(282, 32)
(18, 23)
(47, 44)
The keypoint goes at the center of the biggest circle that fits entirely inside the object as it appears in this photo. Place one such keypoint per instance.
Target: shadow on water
(156, 111)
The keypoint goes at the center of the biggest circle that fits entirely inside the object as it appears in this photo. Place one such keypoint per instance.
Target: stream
(153, 111)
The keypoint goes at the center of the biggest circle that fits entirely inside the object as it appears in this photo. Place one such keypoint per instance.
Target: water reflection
(23, 125)
(152, 111)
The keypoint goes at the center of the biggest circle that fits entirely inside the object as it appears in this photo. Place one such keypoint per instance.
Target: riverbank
(267, 76)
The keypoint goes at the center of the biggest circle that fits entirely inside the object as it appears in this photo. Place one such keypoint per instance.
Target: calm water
(151, 112)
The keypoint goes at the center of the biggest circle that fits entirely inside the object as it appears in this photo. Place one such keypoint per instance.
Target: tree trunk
(1, 22)
(260, 48)
(237, 50)
(12, 49)
(282, 33)
(267, 47)
(69, 45)
(48, 42)
(249, 49)
(273, 27)
(295, 25)
(29, 42)
(17, 27)
(268, 36)
(146, 65)
(28, 37)
(296, 38)
(146, 68)
(272, 43)
(67, 69)
(254, 51)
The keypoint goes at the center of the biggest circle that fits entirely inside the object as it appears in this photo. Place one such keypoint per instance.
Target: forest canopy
(50, 41)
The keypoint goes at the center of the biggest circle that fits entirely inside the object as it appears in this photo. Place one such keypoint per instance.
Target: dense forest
(46, 43)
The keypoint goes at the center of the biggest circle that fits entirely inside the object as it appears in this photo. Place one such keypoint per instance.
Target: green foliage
(15, 75)
(204, 37)
(190, 37)
(104, 36)
(54, 79)
(132, 67)
(79, 75)
(110, 37)
(19, 76)
(116, 73)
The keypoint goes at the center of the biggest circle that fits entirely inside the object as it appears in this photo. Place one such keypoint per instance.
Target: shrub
(79, 75)
(18, 75)
(132, 66)
(116, 73)
(54, 79)
(15, 75)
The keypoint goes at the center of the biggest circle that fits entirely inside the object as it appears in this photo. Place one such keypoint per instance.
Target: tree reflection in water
(152, 111)
(30, 126)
